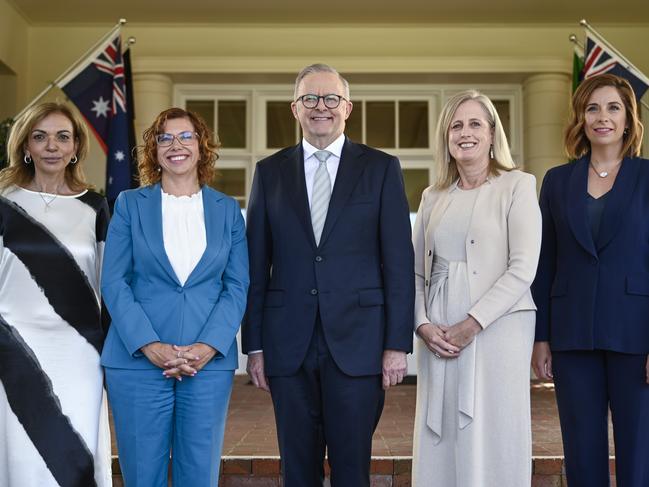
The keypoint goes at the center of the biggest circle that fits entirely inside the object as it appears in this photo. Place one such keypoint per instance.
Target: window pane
(380, 124)
(232, 123)
(413, 124)
(415, 180)
(354, 126)
(204, 108)
(231, 182)
(280, 125)
(502, 107)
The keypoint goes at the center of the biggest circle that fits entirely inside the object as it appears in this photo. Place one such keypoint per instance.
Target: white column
(153, 93)
(546, 101)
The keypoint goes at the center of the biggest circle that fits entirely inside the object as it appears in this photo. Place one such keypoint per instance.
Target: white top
(311, 163)
(183, 232)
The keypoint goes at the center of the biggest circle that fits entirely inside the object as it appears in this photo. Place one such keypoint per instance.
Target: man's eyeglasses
(330, 101)
(185, 138)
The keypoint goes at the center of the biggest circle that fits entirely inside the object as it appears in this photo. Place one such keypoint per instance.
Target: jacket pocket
(274, 299)
(638, 284)
(370, 297)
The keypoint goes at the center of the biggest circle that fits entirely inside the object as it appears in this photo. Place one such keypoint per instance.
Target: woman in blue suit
(592, 287)
(175, 280)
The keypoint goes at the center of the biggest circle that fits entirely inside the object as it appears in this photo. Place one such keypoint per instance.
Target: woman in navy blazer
(175, 280)
(592, 287)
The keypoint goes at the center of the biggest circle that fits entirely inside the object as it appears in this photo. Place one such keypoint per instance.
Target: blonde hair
(576, 144)
(446, 167)
(20, 174)
(148, 166)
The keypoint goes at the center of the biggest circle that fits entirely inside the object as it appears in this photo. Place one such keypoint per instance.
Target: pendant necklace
(48, 201)
(602, 174)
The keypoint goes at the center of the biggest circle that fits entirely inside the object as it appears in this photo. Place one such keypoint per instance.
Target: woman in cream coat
(477, 239)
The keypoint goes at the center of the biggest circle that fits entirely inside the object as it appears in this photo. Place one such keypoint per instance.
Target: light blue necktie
(320, 195)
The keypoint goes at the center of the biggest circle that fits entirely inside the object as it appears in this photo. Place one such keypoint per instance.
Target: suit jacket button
(314, 292)
(318, 258)
(430, 252)
(472, 241)
(426, 282)
(475, 273)
(179, 289)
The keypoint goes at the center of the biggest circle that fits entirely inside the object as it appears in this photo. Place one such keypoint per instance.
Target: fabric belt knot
(320, 195)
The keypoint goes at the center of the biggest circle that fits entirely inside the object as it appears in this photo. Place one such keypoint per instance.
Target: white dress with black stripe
(53, 414)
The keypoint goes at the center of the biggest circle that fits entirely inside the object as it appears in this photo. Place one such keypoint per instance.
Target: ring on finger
(437, 355)
(179, 354)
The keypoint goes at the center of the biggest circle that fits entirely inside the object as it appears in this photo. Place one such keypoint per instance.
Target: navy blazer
(360, 277)
(146, 301)
(594, 294)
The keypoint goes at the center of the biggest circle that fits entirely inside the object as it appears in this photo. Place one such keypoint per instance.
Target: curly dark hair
(207, 148)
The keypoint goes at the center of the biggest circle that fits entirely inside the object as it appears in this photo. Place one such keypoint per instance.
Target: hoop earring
(28, 159)
(491, 151)
(74, 159)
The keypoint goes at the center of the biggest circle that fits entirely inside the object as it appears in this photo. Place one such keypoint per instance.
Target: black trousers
(588, 383)
(321, 408)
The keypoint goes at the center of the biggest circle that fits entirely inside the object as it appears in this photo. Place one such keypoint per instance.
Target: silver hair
(319, 68)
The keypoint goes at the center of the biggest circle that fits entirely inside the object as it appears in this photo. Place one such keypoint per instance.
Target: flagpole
(52, 84)
(628, 63)
(573, 38)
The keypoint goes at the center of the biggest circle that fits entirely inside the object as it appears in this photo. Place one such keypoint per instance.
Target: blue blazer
(594, 294)
(359, 280)
(144, 297)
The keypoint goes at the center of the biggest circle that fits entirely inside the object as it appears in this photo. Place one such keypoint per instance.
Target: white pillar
(546, 100)
(152, 94)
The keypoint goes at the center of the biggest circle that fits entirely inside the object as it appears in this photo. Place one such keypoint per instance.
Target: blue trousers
(155, 416)
(588, 383)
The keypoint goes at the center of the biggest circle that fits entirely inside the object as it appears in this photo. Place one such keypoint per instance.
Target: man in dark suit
(330, 307)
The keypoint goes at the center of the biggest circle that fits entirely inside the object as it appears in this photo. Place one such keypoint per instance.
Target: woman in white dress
(53, 414)
(477, 238)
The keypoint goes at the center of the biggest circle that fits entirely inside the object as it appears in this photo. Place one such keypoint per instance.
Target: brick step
(249, 471)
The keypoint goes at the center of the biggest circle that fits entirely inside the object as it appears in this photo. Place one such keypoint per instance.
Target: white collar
(336, 147)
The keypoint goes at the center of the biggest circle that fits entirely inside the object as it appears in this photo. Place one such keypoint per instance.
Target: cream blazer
(502, 246)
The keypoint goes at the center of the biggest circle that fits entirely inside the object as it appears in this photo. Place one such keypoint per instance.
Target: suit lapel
(214, 227)
(352, 164)
(576, 204)
(292, 169)
(618, 201)
(150, 207)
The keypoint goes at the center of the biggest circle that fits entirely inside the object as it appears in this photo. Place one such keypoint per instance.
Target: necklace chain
(48, 202)
(603, 174)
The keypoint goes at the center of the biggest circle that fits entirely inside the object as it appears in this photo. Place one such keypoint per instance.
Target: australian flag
(97, 87)
(599, 59)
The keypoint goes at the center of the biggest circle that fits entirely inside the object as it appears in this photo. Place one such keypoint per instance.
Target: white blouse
(183, 232)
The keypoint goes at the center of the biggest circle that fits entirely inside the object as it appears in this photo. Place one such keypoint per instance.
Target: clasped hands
(448, 341)
(178, 361)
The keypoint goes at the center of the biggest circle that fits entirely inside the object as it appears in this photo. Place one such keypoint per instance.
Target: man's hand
(542, 361)
(394, 367)
(256, 372)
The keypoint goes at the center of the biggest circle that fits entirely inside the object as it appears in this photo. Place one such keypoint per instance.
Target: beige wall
(14, 59)
(38, 54)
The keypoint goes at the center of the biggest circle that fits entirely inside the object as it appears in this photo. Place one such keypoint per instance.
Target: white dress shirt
(183, 232)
